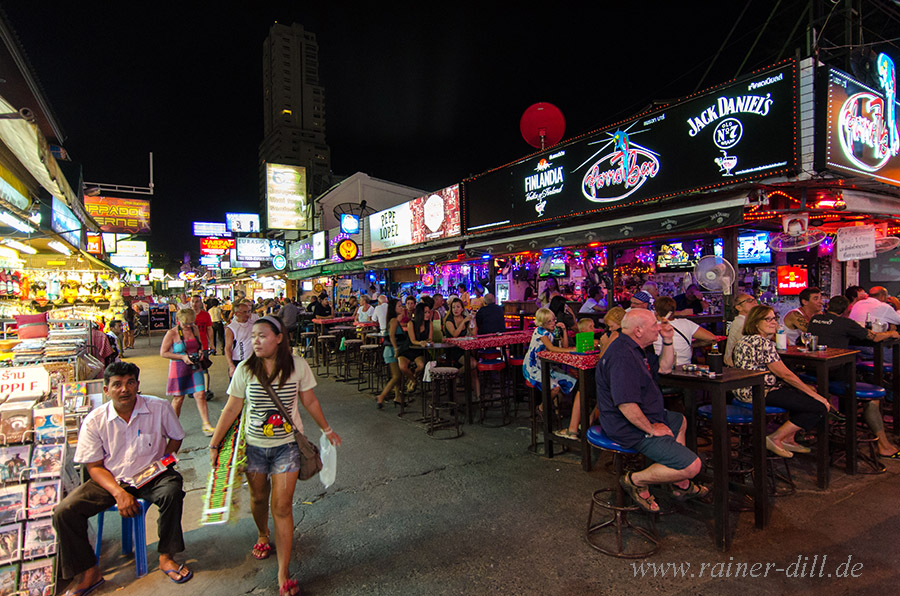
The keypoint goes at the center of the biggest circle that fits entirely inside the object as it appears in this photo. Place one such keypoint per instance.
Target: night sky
(423, 97)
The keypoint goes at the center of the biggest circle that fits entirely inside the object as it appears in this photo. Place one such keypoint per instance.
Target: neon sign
(866, 119)
(625, 170)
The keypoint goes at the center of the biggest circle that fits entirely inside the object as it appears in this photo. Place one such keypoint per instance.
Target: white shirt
(242, 346)
(126, 448)
(380, 315)
(683, 350)
(589, 304)
(735, 333)
(364, 316)
(876, 310)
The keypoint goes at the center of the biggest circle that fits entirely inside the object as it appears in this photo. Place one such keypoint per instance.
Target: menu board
(159, 317)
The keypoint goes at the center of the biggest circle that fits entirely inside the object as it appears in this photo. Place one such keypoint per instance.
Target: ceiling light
(19, 246)
(59, 247)
(14, 222)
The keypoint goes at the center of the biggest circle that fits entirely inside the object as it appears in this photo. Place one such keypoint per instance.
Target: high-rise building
(294, 107)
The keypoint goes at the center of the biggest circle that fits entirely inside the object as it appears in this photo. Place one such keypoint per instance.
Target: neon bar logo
(868, 121)
(548, 181)
(617, 175)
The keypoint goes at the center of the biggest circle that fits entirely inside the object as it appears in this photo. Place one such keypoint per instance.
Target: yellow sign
(348, 249)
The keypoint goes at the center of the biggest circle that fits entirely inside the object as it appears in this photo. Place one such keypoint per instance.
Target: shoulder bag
(310, 462)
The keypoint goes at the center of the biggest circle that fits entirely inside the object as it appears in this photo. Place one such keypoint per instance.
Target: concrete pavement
(480, 514)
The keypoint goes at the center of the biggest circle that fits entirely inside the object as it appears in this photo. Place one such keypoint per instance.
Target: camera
(195, 361)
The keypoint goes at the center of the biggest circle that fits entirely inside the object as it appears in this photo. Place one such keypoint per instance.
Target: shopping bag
(328, 452)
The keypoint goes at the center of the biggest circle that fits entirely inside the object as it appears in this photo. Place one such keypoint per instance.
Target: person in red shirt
(204, 323)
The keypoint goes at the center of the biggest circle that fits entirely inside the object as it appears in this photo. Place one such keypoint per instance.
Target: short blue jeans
(273, 460)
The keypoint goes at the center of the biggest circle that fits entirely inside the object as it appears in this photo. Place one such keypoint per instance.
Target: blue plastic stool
(613, 500)
(134, 536)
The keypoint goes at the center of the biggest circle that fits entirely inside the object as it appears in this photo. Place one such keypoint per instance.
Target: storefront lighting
(14, 222)
(19, 246)
(35, 218)
(59, 247)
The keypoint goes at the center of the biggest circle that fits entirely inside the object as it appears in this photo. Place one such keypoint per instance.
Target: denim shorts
(666, 450)
(273, 460)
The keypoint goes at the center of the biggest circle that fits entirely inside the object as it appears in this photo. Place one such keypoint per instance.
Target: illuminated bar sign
(733, 133)
(123, 216)
(859, 124)
(420, 220)
(286, 204)
(216, 246)
(209, 228)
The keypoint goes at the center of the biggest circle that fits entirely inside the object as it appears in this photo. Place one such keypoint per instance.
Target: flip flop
(265, 549)
(182, 578)
(895, 455)
(87, 590)
(287, 588)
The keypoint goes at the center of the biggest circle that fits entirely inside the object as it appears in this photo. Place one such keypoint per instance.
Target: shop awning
(707, 216)
(313, 271)
(411, 259)
(343, 268)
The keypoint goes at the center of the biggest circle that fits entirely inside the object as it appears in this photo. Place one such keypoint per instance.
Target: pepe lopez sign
(860, 122)
(738, 132)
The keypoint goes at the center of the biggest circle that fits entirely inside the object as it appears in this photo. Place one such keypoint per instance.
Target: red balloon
(542, 125)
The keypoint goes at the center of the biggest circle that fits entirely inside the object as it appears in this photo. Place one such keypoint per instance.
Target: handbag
(310, 461)
(205, 362)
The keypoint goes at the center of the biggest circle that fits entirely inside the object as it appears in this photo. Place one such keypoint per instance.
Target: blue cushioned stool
(868, 366)
(865, 392)
(614, 501)
(134, 535)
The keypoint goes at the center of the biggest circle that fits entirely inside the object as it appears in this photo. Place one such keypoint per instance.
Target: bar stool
(613, 500)
(325, 344)
(519, 387)
(351, 357)
(739, 414)
(866, 441)
(493, 394)
(368, 366)
(134, 536)
(446, 376)
(308, 341)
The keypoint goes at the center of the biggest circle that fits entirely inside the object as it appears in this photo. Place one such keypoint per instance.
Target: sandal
(289, 588)
(693, 491)
(262, 550)
(895, 455)
(647, 503)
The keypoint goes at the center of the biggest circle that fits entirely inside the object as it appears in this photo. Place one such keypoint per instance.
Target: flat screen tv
(753, 249)
(673, 256)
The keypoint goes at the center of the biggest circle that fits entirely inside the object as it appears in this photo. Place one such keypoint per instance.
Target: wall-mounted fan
(715, 274)
(886, 244)
(797, 234)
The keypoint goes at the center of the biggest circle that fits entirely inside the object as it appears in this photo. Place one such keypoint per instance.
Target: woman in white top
(365, 313)
(273, 458)
(685, 331)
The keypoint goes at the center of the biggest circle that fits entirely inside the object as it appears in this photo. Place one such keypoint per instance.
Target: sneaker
(208, 430)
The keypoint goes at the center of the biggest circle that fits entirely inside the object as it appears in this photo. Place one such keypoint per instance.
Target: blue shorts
(666, 450)
(273, 460)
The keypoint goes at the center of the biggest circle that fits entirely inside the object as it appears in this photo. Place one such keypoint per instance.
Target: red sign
(94, 243)
(122, 216)
(216, 246)
(791, 280)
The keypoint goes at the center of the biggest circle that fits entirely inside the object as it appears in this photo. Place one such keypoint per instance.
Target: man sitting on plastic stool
(632, 412)
(117, 441)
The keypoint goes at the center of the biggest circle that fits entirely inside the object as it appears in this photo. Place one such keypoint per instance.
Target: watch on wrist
(668, 343)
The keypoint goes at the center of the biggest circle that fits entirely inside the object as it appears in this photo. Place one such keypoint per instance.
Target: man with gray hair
(381, 313)
(743, 303)
(633, 414)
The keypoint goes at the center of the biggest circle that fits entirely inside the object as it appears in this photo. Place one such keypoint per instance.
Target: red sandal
(288, 587)
(263, 548)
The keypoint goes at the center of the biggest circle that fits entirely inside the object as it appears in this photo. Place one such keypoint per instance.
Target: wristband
(668, 344)
(327, 430)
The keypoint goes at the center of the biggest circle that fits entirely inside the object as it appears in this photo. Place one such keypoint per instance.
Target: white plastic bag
(328, 453)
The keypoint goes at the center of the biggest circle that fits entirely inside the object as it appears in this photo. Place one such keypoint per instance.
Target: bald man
(633, 414)
(742, 304)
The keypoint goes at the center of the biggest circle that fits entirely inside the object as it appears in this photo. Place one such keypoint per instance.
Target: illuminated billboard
(209, 228)
(124, 216)
(254, 249)
(420, 220)
(859, 124)
(286, 204)
(216, 246)
(242, 222)
(64, 223)
(741, 131)
(94, 243)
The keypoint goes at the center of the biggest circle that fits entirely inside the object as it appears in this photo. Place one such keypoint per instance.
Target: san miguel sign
(858, 130)
(737, 132)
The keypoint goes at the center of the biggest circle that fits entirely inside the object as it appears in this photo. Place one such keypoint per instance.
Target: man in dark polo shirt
(632, 412)
(837, 331)
(489, 318)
